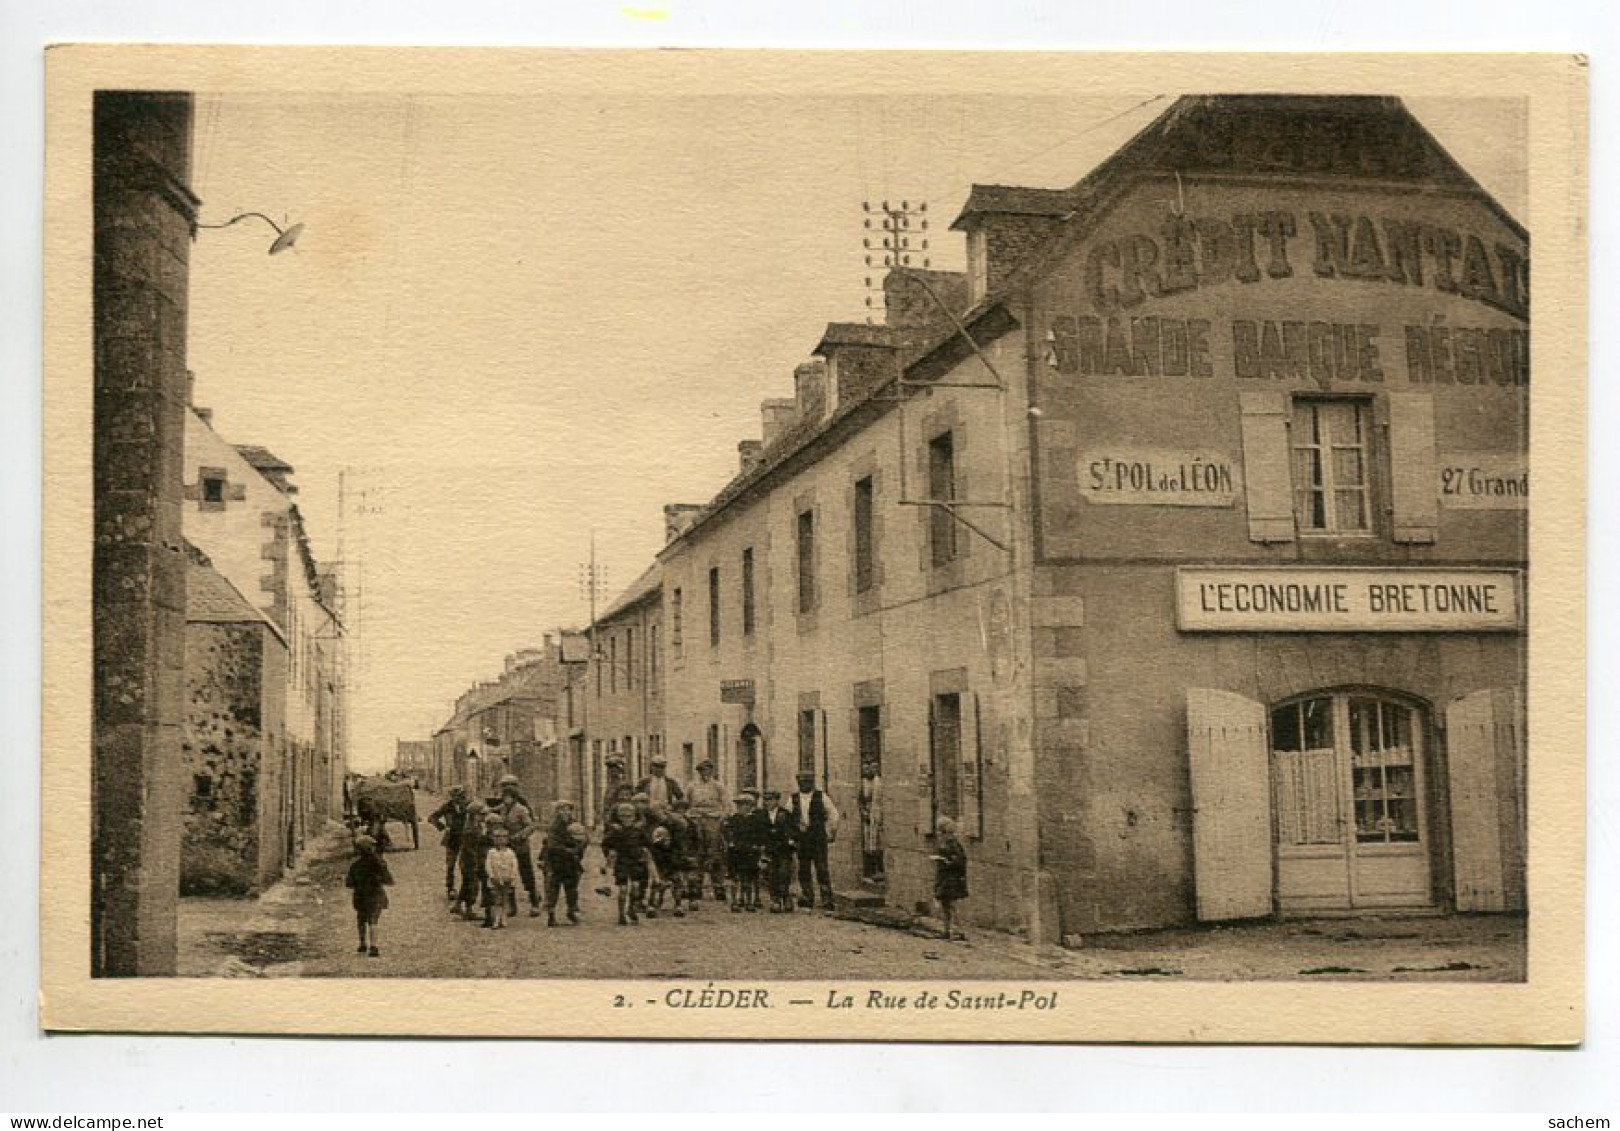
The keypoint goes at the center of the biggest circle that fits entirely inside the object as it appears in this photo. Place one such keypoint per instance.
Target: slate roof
(211, 599)
(650, 581)
(1016, 200)
(262, 459)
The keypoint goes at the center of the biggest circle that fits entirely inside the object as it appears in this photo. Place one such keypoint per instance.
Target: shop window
(865, 566)
(1305, 771)
(942, 533)
(748, 591)
(1383, 773)
(1329, 440)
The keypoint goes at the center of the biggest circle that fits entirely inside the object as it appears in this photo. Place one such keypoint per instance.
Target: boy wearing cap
(449, 819)
(626, 844)
(368, 878)
(780, 833)
(519, 821)
(562, 855)
(739, 835)
(473, 846)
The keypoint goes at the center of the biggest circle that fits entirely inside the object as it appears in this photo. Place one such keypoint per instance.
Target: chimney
(749, 454)
(810, 392)
(857, 359)
(776, 417)
(677, 517)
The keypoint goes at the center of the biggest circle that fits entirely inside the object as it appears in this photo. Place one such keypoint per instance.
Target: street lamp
(285, 237)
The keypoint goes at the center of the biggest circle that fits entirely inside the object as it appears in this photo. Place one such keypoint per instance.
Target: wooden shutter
(1413, 472)
(1485, 761)
(1231, 793)
(972, 788)
(1267, 480)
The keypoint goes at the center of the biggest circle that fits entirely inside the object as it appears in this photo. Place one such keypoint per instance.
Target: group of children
(652, 853)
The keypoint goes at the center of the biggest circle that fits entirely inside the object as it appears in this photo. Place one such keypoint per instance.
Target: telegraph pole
(896, 236)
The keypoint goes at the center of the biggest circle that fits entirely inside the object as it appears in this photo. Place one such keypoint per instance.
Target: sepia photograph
(799, 537)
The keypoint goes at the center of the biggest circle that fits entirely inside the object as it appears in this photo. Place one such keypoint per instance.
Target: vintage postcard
(840, 545)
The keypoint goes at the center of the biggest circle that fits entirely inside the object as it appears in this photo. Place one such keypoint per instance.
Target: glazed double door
(1348, 788)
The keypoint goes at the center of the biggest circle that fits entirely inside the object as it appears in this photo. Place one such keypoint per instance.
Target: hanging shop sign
(1484, 481)
(1157, 477)
(737, 691)
(1262, 599)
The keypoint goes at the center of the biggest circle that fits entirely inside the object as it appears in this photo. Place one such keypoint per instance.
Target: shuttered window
(1413, 468)
(1268, 483)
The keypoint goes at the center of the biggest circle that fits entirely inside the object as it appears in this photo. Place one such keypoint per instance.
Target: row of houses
(264, 733)
(1175, 549)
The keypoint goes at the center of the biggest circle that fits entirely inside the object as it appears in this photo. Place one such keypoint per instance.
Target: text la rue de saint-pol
(879, 999)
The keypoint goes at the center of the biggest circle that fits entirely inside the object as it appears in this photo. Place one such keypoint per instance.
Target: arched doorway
(750, 770)
(1349, 801)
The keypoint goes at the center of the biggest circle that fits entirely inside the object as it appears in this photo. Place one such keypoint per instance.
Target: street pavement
(304, 926)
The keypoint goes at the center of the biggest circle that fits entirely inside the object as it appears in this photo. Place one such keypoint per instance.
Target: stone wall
(225, 760)
(143, 216)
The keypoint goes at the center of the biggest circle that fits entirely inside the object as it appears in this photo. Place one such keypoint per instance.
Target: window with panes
(1330, 439)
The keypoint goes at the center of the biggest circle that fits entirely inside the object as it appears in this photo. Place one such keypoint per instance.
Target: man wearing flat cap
(708, 800)
(661, 789)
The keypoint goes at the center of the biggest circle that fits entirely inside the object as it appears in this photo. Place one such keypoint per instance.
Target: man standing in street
(519, 821)
(662, 791)
(708, 801)
(449, 819)
(818, 827)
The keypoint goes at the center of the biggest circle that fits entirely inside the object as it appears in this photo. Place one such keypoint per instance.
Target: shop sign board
(1288, 599)
(737, 691)
(1484, 481)
(1158, 477)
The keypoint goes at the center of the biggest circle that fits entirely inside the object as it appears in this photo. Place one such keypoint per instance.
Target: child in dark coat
(368, 878)
(562, 855)
(950, 871)
(740, 842)
(627, 845)
(779, 830)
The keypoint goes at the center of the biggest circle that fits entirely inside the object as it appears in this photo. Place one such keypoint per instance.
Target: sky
(512, 325)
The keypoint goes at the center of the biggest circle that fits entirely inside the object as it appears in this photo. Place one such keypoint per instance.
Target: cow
(377, 801)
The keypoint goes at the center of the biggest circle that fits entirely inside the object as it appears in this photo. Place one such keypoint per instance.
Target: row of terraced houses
(1176, 548)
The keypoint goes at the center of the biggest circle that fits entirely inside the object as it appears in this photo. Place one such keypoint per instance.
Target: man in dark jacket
(662, 790)
(817, 819)
(449, 819)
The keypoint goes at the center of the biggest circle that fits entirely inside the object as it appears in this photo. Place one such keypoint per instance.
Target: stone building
(239, 513)
(1182, 564)
(618, 702)
(506, 725)
(236, 824)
